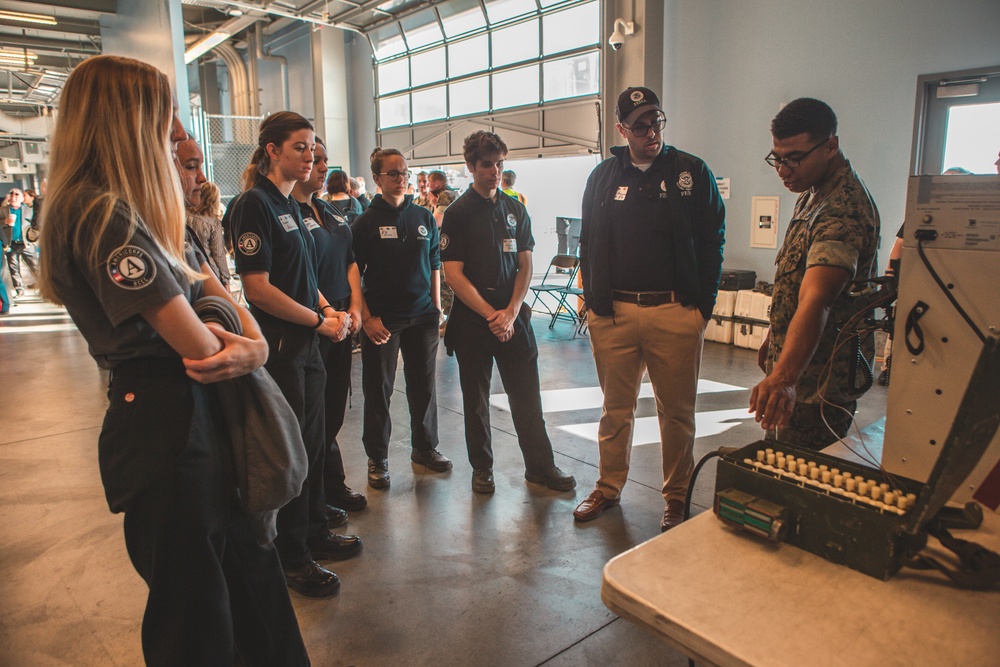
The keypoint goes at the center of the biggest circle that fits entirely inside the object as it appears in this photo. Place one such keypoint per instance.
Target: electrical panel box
(13, 166)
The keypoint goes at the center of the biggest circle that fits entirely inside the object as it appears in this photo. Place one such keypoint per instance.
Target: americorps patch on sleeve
(444, 241)
(249, 244)
(131, 267)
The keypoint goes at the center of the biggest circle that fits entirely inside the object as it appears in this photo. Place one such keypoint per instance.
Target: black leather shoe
(335, 547)
(335, 517)
(432, 459)
(482, 481)
(554, 478)
(378, 473)
(348, 500)
(313, 580)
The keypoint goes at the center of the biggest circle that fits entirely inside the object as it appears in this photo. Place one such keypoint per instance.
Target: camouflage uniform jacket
(837, 225)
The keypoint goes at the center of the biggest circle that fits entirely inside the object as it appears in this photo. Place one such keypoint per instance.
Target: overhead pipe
(281, 60)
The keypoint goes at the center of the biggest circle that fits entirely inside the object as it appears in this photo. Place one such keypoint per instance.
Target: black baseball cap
(633, 102)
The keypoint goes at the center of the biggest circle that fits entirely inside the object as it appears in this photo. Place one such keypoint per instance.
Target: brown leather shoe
(593, 506)
(673, 515)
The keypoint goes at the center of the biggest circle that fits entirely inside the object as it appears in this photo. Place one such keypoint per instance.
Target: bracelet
(319, 323)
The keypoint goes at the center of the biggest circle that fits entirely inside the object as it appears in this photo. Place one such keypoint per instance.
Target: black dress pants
(418, 341)
(294, 363)
(213, 592)
(336, 356)
(476, 348)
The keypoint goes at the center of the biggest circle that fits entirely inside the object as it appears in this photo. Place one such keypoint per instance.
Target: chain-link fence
(229, 143)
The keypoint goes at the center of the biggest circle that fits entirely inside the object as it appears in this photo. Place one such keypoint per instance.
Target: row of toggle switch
(853, 487)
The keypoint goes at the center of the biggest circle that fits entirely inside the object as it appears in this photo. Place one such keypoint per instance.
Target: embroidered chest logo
(511, 220)
(249, 244)
(622, 191)
(131, 267)
(341, 220)
(422, 231)
(685, 183)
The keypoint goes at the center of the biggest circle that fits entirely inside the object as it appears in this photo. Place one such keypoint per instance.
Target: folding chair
(547, 292)
(570, 312)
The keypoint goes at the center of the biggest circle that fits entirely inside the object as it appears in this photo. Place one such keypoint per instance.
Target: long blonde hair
(275, 129)
(211, 200)
(110, 148)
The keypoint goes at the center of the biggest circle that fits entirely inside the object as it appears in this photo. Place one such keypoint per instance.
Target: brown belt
(644, 299)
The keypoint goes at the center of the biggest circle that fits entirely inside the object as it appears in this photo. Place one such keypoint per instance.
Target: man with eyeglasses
(807, 398)
(651, 258)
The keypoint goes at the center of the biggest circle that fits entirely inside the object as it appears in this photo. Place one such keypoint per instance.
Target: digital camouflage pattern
(837, 225)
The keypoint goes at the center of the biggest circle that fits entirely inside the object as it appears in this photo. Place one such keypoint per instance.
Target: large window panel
(515, 87)
(428, 67)
(430, 104)
(393, 111)
(571, 77)
(472, 96)
(387, 41)
(393, 76)
(461, 16)
(515, 44)
(421, 29)
(571, 29)
(501, 10)
(469, 56)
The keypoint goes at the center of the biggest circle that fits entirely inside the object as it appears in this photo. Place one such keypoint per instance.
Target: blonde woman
(115, 255)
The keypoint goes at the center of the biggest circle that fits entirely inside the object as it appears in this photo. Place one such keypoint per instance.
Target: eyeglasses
(642, 129)
(396, 175)
(791, 162)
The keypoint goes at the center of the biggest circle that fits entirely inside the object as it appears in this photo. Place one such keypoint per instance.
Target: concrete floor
(447, 577)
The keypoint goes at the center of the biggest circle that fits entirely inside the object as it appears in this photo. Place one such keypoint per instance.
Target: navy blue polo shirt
(334, 254)
(396, 250)
(487, 237)
(268, 235)
(641, 233)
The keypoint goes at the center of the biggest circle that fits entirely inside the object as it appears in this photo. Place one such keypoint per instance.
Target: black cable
(721, 451)
(947, 292)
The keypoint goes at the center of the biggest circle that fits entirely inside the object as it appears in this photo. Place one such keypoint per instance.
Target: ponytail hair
(275, 129)
(380, 154)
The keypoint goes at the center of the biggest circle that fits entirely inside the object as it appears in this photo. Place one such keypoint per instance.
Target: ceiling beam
(77, 26)
(102, 6)
(58, 45)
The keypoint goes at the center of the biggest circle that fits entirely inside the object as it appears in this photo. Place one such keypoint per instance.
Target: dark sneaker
(432, 459)
(482, 481)
(554, 478)
(378, 473)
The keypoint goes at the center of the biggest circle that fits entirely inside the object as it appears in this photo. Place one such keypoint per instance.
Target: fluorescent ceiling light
(206, 44)
(26, 17)
(17, 57)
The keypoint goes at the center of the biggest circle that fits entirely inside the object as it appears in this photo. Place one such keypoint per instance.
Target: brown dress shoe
(593, 506)
(673, 515)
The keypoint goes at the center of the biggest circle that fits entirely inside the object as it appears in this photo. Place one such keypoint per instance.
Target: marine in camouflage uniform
(835, 224)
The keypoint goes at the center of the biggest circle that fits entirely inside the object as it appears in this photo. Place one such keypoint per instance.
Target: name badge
(622, 191)
(311, 224)
(288, 222)
(388, 233)
(510, 245)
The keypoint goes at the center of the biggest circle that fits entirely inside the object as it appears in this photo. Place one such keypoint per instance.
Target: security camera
(622, 28)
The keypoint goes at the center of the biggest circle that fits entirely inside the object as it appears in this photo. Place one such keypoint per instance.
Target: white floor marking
(585, 398)
(647, 431)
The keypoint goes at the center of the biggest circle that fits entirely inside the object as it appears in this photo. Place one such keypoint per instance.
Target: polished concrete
(447, 577)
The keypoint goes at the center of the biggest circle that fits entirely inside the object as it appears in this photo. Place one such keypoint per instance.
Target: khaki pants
(666, 341)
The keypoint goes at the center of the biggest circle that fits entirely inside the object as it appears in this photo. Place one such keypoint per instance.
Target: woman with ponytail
(276, 259)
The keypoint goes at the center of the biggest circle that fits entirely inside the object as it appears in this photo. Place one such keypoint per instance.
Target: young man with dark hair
(831, 239)
(486, 246)
(653, 227)
(14, 225)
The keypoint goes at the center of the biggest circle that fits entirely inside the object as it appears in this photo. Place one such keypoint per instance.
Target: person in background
(651, 239)
(276, 260)
(116, 257)
(422, 198)
(14, 218)
(340, 282)
(806, 398)
(486, 245)
(396, 246)
(507, 181)
(357, 191)
(337, 186)
(208, 230)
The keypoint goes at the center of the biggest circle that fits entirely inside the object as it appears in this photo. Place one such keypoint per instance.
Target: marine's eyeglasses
(791, 162)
